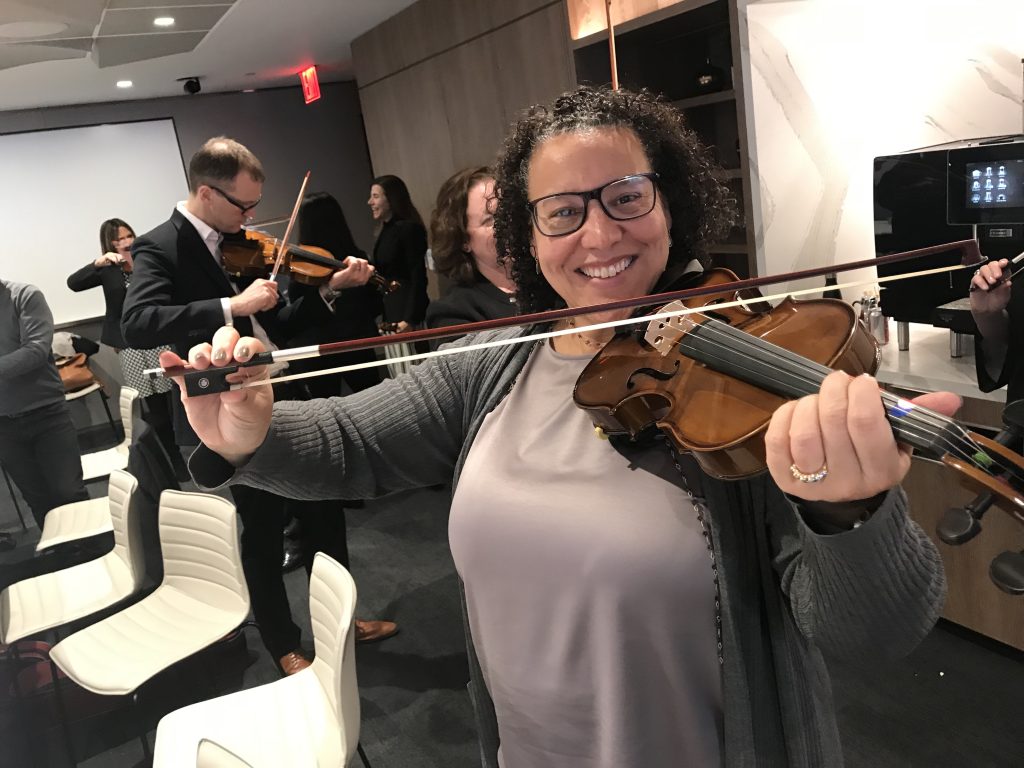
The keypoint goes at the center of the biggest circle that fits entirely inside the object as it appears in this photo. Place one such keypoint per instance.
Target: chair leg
(110, 418)
(143, 732)
(17, 506)
(362, 755)
(65, 725)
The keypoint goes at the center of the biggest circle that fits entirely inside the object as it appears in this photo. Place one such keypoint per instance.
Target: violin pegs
(1007, 572)
(958, 526)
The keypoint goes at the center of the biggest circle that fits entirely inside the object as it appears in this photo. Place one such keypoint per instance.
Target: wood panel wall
(440, 82)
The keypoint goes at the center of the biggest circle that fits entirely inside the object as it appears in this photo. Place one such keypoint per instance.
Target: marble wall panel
(834, 83)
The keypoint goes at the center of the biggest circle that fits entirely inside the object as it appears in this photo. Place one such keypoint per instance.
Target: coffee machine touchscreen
(994, 184)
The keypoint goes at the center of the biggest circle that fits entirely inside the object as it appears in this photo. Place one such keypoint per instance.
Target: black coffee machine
(954, 191)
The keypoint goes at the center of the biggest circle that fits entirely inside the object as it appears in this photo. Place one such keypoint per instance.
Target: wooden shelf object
(666, 47)
(705, 100)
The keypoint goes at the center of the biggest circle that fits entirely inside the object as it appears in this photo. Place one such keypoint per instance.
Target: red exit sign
(310, 84)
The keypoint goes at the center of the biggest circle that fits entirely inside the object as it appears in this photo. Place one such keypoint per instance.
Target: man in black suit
(180, 295)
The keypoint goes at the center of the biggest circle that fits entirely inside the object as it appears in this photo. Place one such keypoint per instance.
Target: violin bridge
(665, 333)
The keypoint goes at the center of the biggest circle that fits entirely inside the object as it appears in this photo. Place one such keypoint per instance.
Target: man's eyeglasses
(623, 199)
(243, 207)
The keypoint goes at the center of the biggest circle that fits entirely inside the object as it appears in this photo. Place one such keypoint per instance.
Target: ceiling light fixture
(164, 21)
(124, 83)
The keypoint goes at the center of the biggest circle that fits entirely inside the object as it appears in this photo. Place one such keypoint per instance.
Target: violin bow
(288, 230)
(612, 62)
(213, 379)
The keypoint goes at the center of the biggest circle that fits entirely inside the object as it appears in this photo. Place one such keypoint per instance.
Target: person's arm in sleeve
(149, 318)
(863, 580)
(85, 278)
(870, 592)
(404, 433)
(35, 324)
(992, 309)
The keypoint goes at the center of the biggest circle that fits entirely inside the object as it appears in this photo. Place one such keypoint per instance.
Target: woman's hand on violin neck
(259, 296)
(842, 430)
(355, 273)
(233, 424)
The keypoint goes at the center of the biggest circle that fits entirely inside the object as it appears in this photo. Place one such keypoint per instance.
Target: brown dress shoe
(372, 631)
(293, 662)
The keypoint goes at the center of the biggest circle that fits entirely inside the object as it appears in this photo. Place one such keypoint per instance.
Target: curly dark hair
(691, 185)
(448, 225)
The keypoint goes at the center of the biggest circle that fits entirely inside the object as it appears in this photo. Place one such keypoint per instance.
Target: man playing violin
(179, 295)
(601, 632)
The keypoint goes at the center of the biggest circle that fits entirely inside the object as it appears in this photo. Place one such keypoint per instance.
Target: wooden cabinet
(685, 52)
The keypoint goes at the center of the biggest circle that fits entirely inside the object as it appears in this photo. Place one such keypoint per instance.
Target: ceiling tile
(170, 5)
(111, 51)
(16, 55)
(140, 21)
(79, 17)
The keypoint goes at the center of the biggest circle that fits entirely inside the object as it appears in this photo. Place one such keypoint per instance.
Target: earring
(536, 261)
(670, 241)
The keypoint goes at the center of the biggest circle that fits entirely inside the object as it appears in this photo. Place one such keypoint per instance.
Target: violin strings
(804, 377)
(918, 421)
(813, 373)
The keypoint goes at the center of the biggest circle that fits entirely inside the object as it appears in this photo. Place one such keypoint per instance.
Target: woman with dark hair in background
(112, 270)
(462, 243)
(399, 251)
(355, 305)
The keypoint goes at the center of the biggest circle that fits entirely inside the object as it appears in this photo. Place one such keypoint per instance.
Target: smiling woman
(624, 608)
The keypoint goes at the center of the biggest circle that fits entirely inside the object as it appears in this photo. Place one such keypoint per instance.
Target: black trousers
(263, 516)
(39, 450)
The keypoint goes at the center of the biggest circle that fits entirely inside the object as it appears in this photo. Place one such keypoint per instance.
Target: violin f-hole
(654, 373)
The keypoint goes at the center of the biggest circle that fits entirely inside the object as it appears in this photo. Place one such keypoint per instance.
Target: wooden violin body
(256, 254)
(637, 383)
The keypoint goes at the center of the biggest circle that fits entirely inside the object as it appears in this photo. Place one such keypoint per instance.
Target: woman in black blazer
(112, 271)
(399, 251)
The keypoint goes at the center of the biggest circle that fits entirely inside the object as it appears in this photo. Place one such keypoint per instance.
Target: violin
(711, 378)
(255, 255)
(711, 375)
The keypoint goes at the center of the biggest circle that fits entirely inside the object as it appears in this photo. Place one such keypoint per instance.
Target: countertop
(927, 367)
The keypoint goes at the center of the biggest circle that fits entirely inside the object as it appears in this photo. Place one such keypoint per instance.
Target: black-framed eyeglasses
(243, 207)
(623, 199)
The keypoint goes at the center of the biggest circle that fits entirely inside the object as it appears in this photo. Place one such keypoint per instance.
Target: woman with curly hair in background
(462, 242)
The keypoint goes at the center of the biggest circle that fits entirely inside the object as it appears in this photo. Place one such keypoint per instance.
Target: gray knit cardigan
(788, 595)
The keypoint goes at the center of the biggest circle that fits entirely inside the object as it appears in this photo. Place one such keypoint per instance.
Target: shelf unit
(665, 51)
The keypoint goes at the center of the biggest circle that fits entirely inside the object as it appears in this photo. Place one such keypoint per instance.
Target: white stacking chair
(53, 599)
(102, 463)
(202, 597)
(307, 719)
(77, 520)
(78, 394)
(212, 755)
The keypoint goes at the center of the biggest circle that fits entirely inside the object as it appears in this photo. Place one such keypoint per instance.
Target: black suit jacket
(111, 278)
(175, 298)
